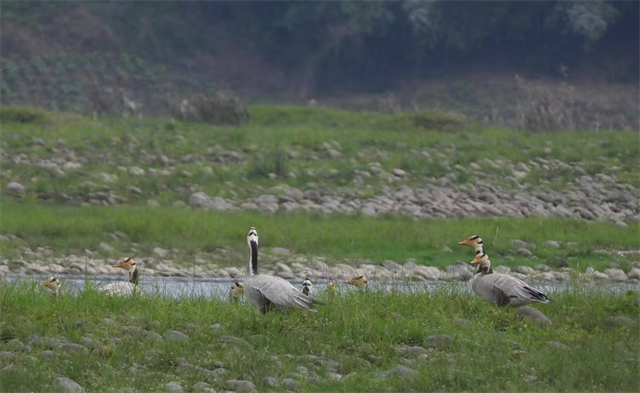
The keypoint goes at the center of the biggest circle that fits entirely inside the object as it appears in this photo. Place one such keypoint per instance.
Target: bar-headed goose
(307, 287)
(358, 281)
(474, 242)
(53, 285)
(502, 289)
(237, 290)
(268, 292)
(124, 288)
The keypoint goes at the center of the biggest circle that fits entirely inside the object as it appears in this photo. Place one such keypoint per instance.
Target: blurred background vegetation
(532, 65)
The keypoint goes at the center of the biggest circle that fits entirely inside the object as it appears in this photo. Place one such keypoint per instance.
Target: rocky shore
(283, 263)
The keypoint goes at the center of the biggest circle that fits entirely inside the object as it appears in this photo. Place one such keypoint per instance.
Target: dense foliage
(356, 42)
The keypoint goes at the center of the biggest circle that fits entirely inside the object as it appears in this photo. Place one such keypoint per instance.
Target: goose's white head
(482, 260)
(252, 236)
(307, 282)
(474, 242)
(53, 284)
(126, 263)
(237, 288)
(358, 281)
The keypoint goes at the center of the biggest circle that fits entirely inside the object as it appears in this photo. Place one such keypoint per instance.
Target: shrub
(440, 121)
(22, 114)
(221, 109)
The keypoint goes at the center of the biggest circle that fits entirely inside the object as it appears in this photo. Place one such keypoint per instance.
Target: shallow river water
(179, 287)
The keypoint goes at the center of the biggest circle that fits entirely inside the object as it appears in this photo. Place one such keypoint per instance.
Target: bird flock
(270, 292)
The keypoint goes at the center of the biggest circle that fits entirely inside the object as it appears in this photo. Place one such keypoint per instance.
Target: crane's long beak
(119, 264)
(462, 243)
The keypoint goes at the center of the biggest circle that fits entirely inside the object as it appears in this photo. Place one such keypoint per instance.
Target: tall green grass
(350, 237)
(350, 328)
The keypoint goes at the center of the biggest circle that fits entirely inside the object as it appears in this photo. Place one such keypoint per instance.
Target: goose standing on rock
(307, 286)
(268, 292)
(359, 281)
(53, 285)
(502, 289)
(124, 288)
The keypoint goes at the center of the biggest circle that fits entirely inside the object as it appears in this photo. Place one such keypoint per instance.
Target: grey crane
(268, 292)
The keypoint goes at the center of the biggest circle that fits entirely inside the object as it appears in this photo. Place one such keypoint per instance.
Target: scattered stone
(411, 351)
(517, 352)
(160, 252)
(616, 274)
(234, 340)
(68, 385)
(438, 341)
(399, 172)
(136, 172)
(402, 371)
(519, 243)
(556, 345)
(524, 252)
(174, 335)
(174, 387)
(72, 347)
(534, 315)
(333, 153)
(48, 354)
(552, 244)
(203, 387)
(105, 247)
(634, 273)
(291, 384)
(279, 251)
(15, 345)
(526, 270)
(15, 188)
(619, 321)
(463, 321)
(530, 379)
(240, 385)
(270, 382)
(199, 199)
(373, 359)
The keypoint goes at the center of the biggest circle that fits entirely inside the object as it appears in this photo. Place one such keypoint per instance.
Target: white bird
(307, 287)
(268, 292)
(237, 289)
(359, 281)
(124, 288)
(53, 285)
(502, 289)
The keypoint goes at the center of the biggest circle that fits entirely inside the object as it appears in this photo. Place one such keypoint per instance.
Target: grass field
(341, 238)
(421, 144)
(122, 355)
(357, 335)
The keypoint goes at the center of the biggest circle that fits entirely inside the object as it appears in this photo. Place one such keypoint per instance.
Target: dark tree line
(356, 42)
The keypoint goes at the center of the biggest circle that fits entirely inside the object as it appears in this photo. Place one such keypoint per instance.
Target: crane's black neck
(253, 261)
(133, 276)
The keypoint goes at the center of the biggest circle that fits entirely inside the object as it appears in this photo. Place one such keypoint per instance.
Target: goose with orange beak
(124, 288)
(237, 290)
(359, 281)
(53, 285)
(474, 242)
(502, 289)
